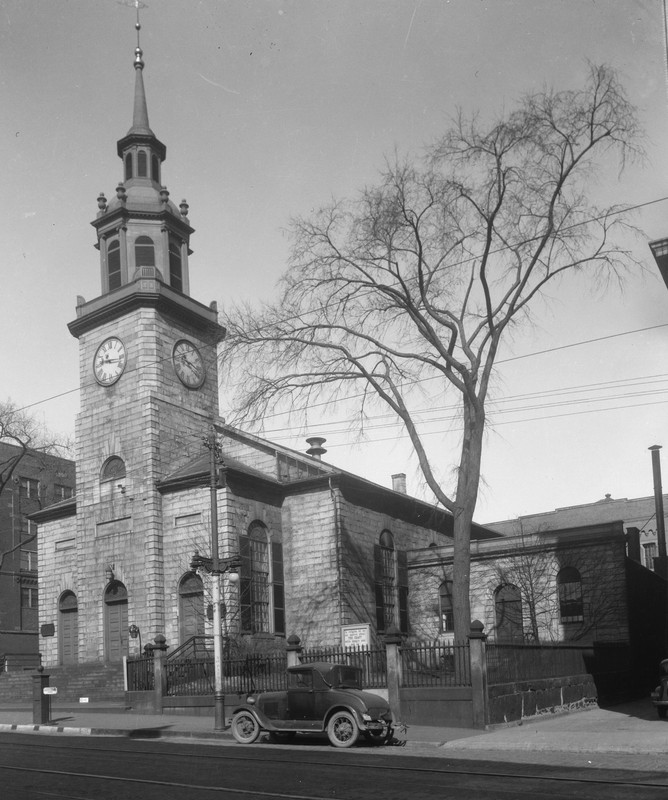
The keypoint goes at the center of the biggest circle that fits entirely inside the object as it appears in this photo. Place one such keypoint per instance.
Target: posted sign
(356, 635)
(50, 690)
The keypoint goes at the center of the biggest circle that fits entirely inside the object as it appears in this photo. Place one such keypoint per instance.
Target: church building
(318, 549)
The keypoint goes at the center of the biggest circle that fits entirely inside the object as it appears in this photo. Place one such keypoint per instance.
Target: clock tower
(149, 391)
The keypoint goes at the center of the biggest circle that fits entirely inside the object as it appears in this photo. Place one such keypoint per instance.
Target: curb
(47, 729)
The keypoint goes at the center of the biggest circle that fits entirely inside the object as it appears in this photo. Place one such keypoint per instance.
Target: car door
(301, 695)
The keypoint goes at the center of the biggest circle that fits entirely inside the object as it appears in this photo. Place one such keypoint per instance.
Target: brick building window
(28, 560)
(261, 589)
(650, 554)
(62, 492)
(29, 488)
(29, 610)
(391, 584)
(569, 585)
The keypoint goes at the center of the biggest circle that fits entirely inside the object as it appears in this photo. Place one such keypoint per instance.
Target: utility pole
(218, 691)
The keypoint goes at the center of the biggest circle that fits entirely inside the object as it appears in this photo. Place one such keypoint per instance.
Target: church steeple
(141, 232)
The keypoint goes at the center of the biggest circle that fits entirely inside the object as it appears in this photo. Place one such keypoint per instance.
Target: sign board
(356, 635)
(83, 699)
(49, 629)
(50, 690)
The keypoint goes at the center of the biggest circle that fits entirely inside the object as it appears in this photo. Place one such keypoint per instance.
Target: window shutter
(245, 585)
(278, 586)
(402, 572)
(378, 587)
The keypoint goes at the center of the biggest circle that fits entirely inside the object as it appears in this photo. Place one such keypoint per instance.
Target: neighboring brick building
(30, 480)
(319, 548)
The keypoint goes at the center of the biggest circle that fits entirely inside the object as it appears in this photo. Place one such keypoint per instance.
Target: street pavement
(626, 737)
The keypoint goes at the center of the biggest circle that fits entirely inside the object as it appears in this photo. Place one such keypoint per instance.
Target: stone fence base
(512, 702)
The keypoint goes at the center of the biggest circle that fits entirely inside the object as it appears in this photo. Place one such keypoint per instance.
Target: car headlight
(366, 717)
(250, 701)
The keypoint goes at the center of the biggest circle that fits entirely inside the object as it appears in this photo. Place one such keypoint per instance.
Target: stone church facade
(319, 549)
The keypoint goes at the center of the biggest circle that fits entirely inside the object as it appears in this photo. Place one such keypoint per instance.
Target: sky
(270, 109)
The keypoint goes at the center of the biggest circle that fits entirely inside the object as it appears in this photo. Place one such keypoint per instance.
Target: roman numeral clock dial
(110, 361)
(188, 364)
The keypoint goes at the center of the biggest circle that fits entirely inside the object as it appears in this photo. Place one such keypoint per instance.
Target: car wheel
(342, 729)
(662, 711)
(281, 737)
(245, 728)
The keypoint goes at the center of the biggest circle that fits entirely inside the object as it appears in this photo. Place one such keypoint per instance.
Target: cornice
(146, 293)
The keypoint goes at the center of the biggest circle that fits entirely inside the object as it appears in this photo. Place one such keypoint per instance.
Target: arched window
(114, 265)
(142, 164)
(113, 469)
(68, 628)
(144, 252)
(508, 612)
(446, 619)
(175, 271)
(191, 606)
(112, 478)
(569, 586)
(155, 168)
(261, 591)
(391, 584)
(128, 166)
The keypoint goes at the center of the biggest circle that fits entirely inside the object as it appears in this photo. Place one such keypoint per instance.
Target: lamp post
(135, 633)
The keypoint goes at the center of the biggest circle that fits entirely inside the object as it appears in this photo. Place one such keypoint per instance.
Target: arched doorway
(68, 628)
(115, 621)
(191, 607)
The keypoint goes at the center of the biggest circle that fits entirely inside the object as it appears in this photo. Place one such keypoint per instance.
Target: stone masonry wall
(600, 563)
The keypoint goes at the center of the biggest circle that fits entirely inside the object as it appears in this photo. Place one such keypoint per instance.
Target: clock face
(109, 361)
(188, 364)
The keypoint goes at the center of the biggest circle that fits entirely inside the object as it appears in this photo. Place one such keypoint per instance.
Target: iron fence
(373, 663)
(252, 673)
(507, 663)
(441, 664)
(140, 674)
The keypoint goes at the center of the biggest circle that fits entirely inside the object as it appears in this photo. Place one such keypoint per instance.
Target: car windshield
(345, 677)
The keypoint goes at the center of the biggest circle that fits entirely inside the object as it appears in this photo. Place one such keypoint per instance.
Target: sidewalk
(628, 737)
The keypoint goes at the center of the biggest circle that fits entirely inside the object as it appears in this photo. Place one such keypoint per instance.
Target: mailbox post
(41, 700)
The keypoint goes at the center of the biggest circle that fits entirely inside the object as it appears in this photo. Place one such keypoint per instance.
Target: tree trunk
(467, 494)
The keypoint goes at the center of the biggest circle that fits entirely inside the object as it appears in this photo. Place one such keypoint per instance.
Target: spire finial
(139, 63)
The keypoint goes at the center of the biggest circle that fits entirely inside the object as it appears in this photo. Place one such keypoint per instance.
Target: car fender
(350, 709)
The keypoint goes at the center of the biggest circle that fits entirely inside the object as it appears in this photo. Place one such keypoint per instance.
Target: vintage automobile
(660, 694)
(320, 697)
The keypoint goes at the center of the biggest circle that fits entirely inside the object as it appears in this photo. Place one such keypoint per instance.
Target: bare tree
(28, 438)
(408, 290)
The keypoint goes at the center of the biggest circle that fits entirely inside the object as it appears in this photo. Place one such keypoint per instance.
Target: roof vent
(316, 448)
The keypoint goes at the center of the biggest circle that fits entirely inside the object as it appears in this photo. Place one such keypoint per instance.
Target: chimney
(316, 448)
(399, 482)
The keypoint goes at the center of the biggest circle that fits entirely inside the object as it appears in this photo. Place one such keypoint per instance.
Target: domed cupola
(141, 232)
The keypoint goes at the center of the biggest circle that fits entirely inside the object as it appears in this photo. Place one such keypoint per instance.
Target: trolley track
(252, 761)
